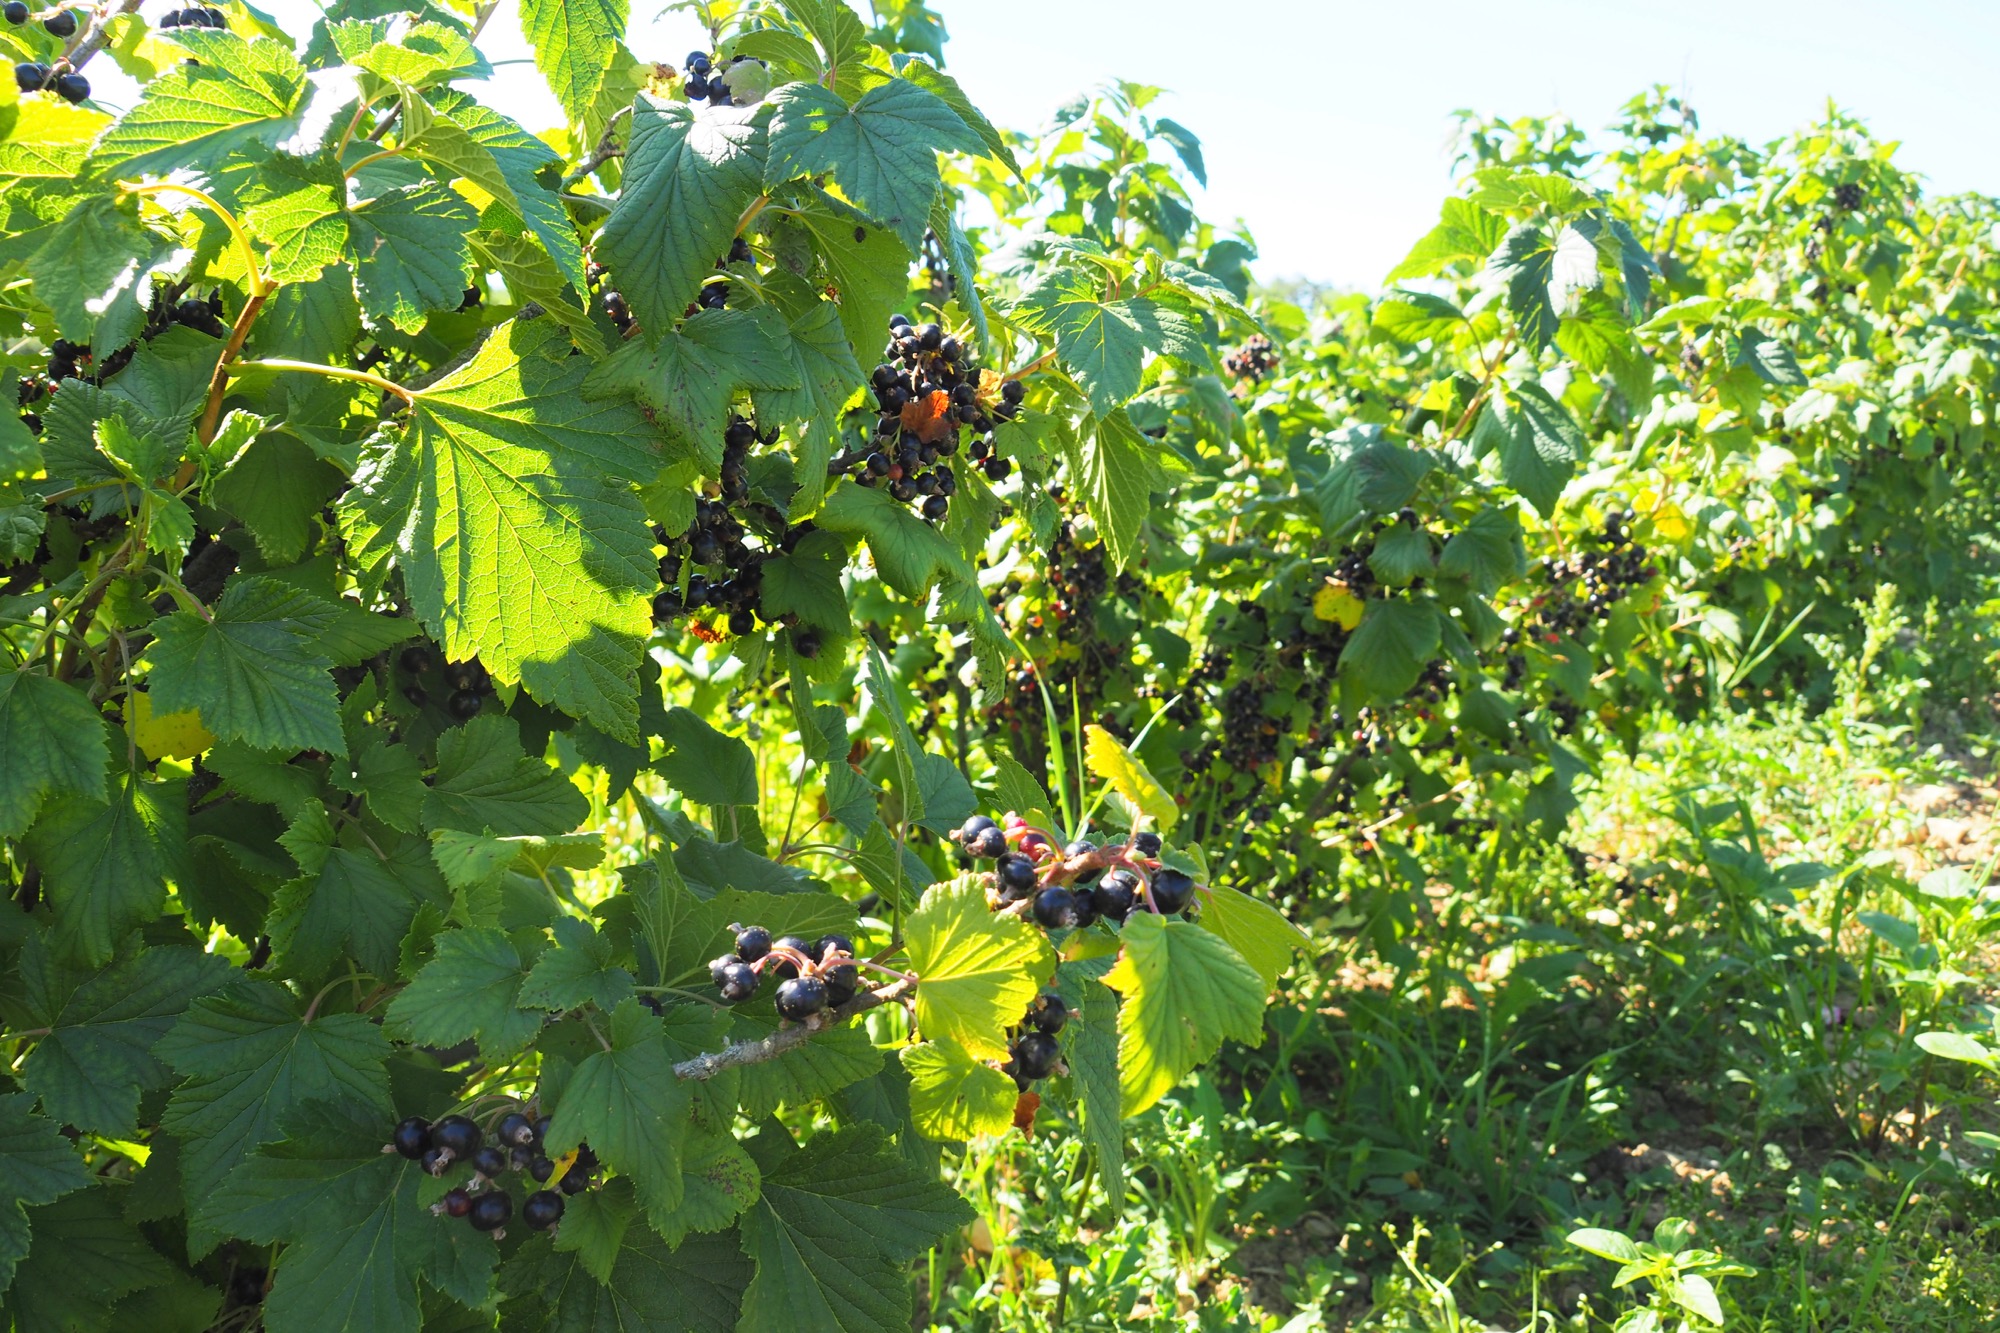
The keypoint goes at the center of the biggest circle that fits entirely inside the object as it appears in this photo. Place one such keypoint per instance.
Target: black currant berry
(413, 1137)
(457, 1203)
(752, 943)
(988, 844)
(415, 659)
(435, 1160)
(489, 1161)
(72, 88)
(540, 1169)
(575, 1181)
(997, 468)
(62, 24)
(1055, 908)
(1113, 895)
(16, 12)
(1015, 874)
(805, 643)
(29, 76)
(1146, 844)
(842, 984)
(1048, 1013)
(1172, 890)
(490, 1211)
(787, 970)
(742, 623)
(737, 983)
(1079, 847)
(456, 1135)
(973, 827)
(801, 998)
(935, 508)
(829, 944)
(1013, 391)
(1035, 1055)
(515, 1130)
(465, 704)
(543, 1209)
(542, 1128)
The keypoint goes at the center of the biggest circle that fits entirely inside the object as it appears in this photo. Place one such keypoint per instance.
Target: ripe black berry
(72, 88)
(1114, 894)
(805, 643)
(1172, 890)
(435, 1160)
(62, 24)
(16, 12)
(1079, 847)
(575, 1181)
(829, 944)
(997, 468)
(1048, 1013)
(789, 970)
(737, 983)
(489, 1161)
(413, 1137)
(415, 659)
(456, 1135)
(741, 623)
(543, 1209)
(457, 1203)
(801, 998)
(540, 1169)
(1055, 908)
(542, 1128)
(988, 844)
(752, 943)
(490, 1211)
(1013, 391)
(465, 704)
(935, 508)
(1035, 1055)
(842, 984)
(1015, 874)
(1146, 844)
(973, 827)
(29, 76)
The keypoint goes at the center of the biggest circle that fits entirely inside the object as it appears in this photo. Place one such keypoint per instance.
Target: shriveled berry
(543, 1209)
(1035, 1055)
(413, 1137)
(801, 998)
(490, 1211)
(1172, 890)
(456, 1202)
(1146, 844)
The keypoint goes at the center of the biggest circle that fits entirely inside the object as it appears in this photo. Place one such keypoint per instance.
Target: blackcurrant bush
(489, 1161)
(1055, 908)
(543, 1209)
(16, 12)
(465, 704)
(515, 1130)
(1172, 890)
(752, 943)
(1146, 844)
(456, 1135)
(62, 24)
(987, 844)
(788, 970)
(413, 1137)
(457, 1203)
(540, 1169)
(1048, 1013)
(829, 944)
(842, 984)
(490, 1211)
(1114, 894)
(801, 998)
(1015, 874)
(737, 983)
(1035, 1055)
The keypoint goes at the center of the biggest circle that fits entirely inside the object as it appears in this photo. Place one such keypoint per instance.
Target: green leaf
(882, 150)
(1397, 637)
(1104, 343)
(867, 268)
(277, 486)
(1131, 779)
(471, 989)
(358, 1237)
(578, 971)
(574, 42)
(1957, 1046)
(1538, 442)
(836, 1223)
(933, 80)
(704, 765)
(721, 1180)
(90, 257)
(521, 157)
(688, 376)
(1466, 232)
(1185, 990)
(300, 213)
(1116, 471)
(105, 863)
(250, 1060)
(1604, 1244)
(527, 487)
(1488, 550)
(1524, 263)
(1367, 475)
(415, 253)
(84, 1257)
(953, 1096)
(652, 1288)
(485, 784)
(687, 179)
(1402, 555)
(805, 582)
(977, 971)
(233, 95)
(631, 1108)
(829, 1062)
(90, 1068)
(1770, 360)
(254, 670)
(37, 1166)
(594, 1225)
(1415, 317)
(909, 553)
(825, 375)
(1254, 928)
(1093, 1067)
(52, 742)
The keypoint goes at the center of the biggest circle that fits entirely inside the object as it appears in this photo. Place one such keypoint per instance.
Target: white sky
(1325, 125)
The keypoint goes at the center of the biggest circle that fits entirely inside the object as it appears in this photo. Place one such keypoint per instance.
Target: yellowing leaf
(1254, 928)
(953, 1096)
(976, 971)
(1337, 606)
(1110, 760)
(1185, 990)
(167, 735)
(1670, 523)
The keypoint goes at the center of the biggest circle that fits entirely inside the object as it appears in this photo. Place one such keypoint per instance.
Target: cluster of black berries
(31, 390)
(927, 391)
(203, 316)
(483, 1201)
(1033, 1053)
(812, 975)
(1613, 565)
(29, 76)
(706, 81)
(465, 684)
(1255, 359)
(208, 17)
(1078, 885)
(1848, 196)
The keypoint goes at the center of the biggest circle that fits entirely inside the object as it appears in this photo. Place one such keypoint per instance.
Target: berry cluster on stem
(515, 1144)
(1076, 886)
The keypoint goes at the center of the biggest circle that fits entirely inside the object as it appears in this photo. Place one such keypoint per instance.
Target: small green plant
(1682, 1296)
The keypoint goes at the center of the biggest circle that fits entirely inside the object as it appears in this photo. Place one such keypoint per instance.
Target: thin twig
(737, 1054)
(100, 35)
(607, 148)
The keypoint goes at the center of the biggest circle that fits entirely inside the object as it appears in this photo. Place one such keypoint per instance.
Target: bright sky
(1325, 123)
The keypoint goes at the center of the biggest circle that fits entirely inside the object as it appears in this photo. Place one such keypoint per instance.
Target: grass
(1706, 1007)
